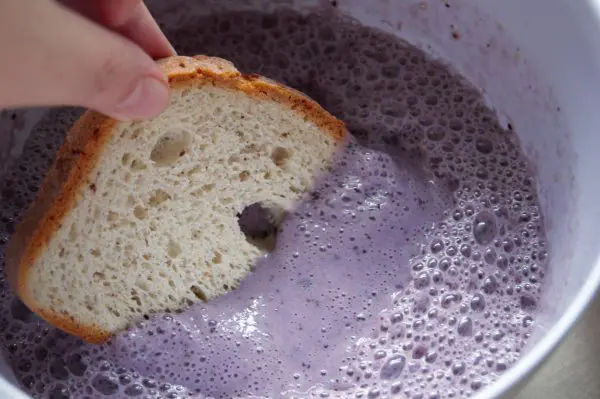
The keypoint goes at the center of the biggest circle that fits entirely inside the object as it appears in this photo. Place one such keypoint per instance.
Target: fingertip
(142, 29)
(149, 98)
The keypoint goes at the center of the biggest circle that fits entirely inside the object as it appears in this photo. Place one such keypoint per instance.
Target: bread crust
(70, 176)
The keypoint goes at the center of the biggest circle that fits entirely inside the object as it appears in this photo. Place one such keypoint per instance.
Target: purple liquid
(438, 316)
(295, 321)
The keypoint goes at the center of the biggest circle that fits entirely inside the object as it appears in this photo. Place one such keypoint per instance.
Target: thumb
(56, 57)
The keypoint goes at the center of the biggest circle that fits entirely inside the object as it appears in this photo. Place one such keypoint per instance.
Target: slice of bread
(139, 218)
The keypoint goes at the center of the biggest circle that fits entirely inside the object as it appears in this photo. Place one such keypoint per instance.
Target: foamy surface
(413, 270)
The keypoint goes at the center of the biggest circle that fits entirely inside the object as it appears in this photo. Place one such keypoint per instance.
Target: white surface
(572, 371)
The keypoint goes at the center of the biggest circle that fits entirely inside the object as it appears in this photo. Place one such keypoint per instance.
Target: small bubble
(478, 303)
(445, 264)
(125, 379)
(105, 385)
(59, 392)
(134, 390)
(490, 285)
(392, 368)
(484, 146)
(432, 314)
(459, 368)
(396, 318)
(58, 370)
(451, 250)
(502, 262)
(149, 383)
(437, 245)
(431, 356)
(527, 303)
(395, 388)
(501, 365)
(457, 215)
(527, 321)
(484, 228)
(465, 327)
(436, 133)
(497, 335)
(489, 256)
(465, 250)
(422, 281)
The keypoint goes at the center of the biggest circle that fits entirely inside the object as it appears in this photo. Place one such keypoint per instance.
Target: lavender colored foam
(412, 270)
(295, 321)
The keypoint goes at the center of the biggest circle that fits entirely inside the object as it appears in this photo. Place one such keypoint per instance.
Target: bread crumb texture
(151, 224)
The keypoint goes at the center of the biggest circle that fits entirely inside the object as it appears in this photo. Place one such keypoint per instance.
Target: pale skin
(97, 54)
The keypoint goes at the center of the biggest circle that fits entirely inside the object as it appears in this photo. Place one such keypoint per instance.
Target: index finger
(130, 18)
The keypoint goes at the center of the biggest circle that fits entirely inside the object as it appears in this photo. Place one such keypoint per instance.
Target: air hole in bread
(173, 250)
(125, 159)
(171, 147)
(97, 277)
(140, 212)
(130, 200)
(114, 312)
(137, 133)
(112, 216)
(158, 197)
(259, 223)
(217, 258)
(207, 188)
(137, 165)
(197, 291)
(142, 285)
(280, 156)
(73, 233)
(193, 171)
(244, 175)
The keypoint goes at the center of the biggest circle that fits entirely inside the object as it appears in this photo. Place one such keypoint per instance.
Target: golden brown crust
(183, 70)
(84, 145)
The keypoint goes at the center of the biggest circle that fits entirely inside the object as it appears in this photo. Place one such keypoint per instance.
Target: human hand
(96, 54)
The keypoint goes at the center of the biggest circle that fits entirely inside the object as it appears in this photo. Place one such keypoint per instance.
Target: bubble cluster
(295, 318)
(413, 270)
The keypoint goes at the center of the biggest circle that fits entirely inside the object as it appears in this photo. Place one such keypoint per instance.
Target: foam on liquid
(412, 270)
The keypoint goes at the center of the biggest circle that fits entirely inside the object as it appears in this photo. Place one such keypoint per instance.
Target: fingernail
(173, 49)
(148, 99)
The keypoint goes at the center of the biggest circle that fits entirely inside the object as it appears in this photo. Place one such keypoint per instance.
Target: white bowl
(538, 63)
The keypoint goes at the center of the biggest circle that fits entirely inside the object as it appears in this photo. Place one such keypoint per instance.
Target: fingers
(56, 57)
(129, 18)
(142, 29)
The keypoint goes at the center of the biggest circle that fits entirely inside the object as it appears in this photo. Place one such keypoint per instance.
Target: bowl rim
(517, 376)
